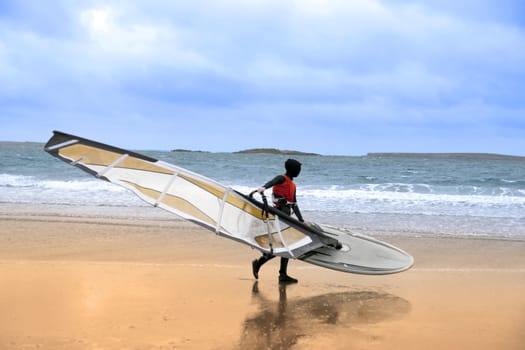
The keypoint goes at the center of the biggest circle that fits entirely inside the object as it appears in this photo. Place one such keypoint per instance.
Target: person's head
(293, 168)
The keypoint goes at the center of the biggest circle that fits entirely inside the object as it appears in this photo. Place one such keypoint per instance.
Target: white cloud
(137, 46)
(358, 62)
(337, 8)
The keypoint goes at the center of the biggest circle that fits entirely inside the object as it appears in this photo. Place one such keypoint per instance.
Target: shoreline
(368, 224)
(113, 238)
(75, 282)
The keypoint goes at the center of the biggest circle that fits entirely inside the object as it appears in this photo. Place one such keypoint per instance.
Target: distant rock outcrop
(275, 151)
(187, 150)
(489, 156)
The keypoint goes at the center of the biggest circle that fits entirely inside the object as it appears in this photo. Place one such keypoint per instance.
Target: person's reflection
(279, 325)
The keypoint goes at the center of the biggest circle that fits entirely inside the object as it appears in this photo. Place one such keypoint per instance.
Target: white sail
(189, 195)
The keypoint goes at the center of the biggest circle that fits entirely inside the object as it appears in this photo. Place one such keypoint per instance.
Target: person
(284, 199)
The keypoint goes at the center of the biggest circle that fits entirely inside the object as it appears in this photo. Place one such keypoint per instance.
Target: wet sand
(71, 282)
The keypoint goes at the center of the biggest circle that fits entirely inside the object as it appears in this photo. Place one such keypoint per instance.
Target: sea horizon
(269, 150)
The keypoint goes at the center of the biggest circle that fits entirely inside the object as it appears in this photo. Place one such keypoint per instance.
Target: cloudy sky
(332, 77)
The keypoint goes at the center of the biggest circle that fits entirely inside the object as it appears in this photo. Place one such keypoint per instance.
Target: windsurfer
(284, 199)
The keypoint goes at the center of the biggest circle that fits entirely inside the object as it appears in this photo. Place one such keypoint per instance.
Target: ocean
(416, 195)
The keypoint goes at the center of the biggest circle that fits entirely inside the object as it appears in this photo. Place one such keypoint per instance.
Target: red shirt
(285, 190)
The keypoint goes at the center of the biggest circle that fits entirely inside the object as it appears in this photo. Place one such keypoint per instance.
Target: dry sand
(92, 283)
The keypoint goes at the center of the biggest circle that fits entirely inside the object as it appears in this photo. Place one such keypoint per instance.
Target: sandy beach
(76, 282)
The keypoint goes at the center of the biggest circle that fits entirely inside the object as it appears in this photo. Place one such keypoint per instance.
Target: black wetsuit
(287, 209)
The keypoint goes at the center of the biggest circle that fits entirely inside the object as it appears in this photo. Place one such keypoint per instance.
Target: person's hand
(261, 189)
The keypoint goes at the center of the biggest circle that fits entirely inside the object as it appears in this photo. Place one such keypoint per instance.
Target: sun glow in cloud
(110, 37)
(97, 21)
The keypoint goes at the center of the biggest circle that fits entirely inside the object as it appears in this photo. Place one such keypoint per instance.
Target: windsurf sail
(191, 196)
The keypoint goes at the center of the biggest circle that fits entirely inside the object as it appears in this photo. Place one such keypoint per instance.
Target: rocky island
(275, 151)
(488, 156)
(188, 150)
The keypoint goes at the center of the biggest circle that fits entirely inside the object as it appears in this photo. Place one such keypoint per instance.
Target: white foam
(74, 185)
(375, 199)
(29, 189)
(8, 180)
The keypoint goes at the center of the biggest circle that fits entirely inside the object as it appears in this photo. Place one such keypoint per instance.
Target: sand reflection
(281, 324)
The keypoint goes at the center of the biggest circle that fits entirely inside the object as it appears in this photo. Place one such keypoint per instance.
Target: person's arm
(296, 209)
(279, 179)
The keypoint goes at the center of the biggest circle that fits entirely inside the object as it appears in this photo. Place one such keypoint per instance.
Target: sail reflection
(280, 324)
